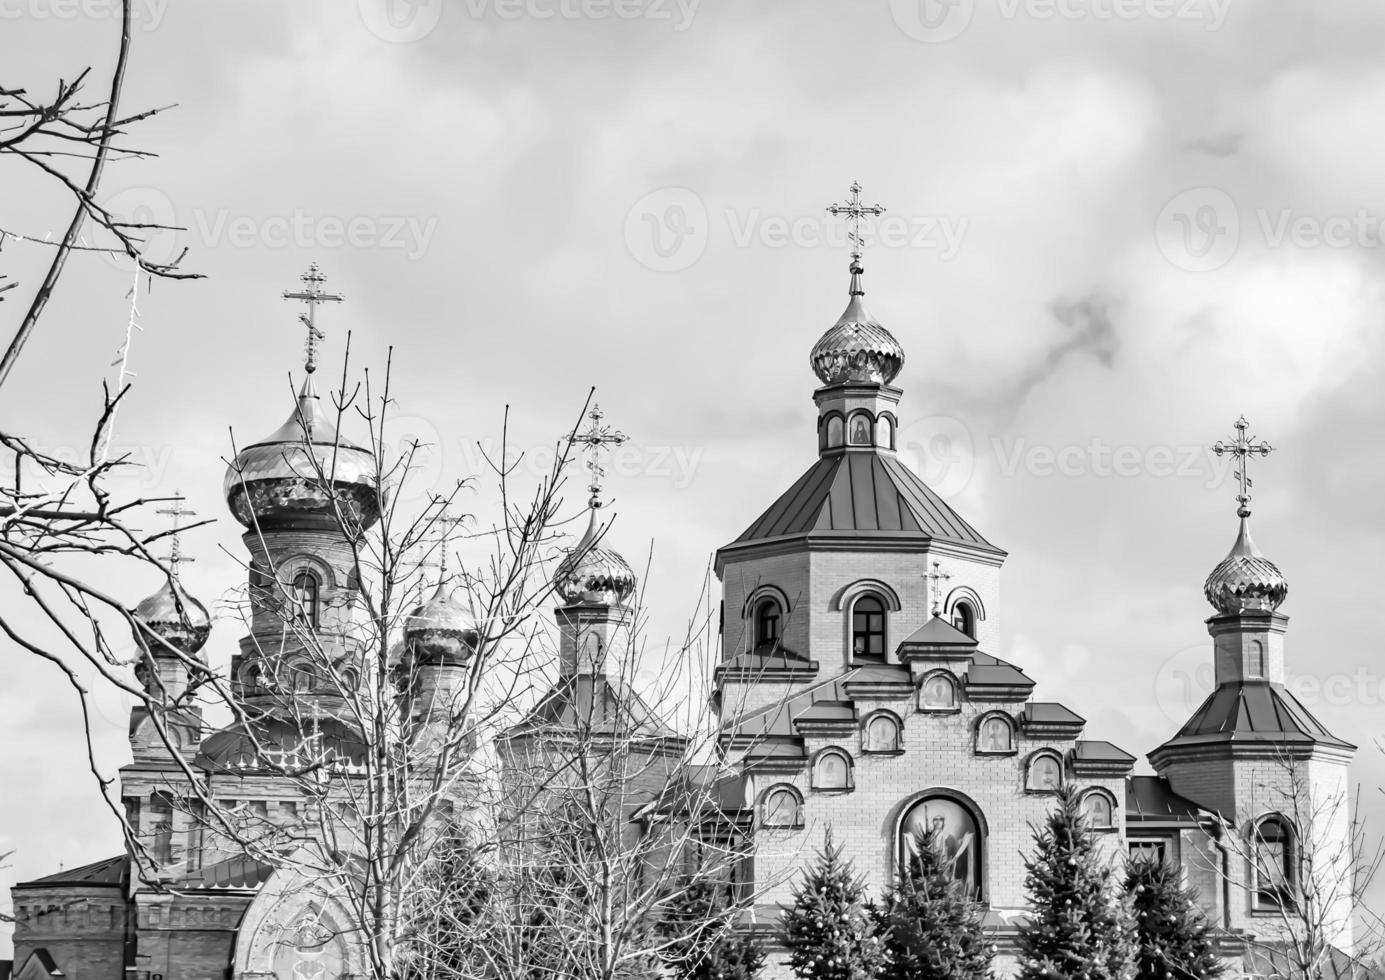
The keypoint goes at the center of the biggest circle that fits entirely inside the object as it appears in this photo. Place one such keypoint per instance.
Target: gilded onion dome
(591, 573)
(1245, 580)
(441, 630)
(857, 348)
(276, 479)
(174, 617)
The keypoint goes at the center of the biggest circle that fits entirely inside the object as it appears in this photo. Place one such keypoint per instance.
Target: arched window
(1256, 659)
(964, 618)
(955, 832)
(1045, 773)
(300, 677)
(882, 733)
(767, 625)
(868, 629)
(161, 828)
(995, 735)
(884, 432)
(1099, 811)
(938, 692)
(1274, 862)
(781, 808)
(832, 770)
(306, 590)
(835, 431)
(859, 430)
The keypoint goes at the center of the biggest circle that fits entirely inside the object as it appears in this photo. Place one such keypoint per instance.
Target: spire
(853, 210)
(595, 439)
(1243, 448)
(591, 573)
(175, 545)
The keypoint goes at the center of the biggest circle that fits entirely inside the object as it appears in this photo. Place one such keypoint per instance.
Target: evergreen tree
(828, 929)
(1078, 927)
(705, 944)
(1171, 933)
(931, 927)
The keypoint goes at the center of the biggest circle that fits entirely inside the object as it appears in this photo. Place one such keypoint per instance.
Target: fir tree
(1078, 927)
(1171, 933)
(828, 929)
(931, 927)
(705, 945)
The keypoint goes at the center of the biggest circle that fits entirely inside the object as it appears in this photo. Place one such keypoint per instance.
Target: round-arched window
(964, 618)
(884, 432)
(767, 622)
(859, 430)
(832, 770)
(306, 596)
(868, 629)
(836, 430)
(1045, 773)
(1098, 811)
(882, 734)
(938, 692)
(952, 828)
(782, 807)
(995, 735)
(1274, 862)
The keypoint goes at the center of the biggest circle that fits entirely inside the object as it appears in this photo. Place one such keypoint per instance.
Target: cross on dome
(853, 210)
(596, 438)
(1243, 447)
(175, 547)
(311, 294)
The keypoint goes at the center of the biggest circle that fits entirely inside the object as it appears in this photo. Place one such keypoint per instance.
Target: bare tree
(1304, 861)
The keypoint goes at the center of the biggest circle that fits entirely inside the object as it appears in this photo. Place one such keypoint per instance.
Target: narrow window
(1274, 869)
(868, 629)
(161, 828)
(964, 618)
(767, 623)
(305, 598)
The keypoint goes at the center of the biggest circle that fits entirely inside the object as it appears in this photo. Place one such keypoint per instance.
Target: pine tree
(1172, 935)
(705, 944)
(1079, 927)
(931, 927)
(828, 929)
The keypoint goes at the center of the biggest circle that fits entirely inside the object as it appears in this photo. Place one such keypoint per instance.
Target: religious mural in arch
(956, 835)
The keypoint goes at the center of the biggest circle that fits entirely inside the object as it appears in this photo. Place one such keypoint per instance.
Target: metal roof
(1254, 711)
(1051, 713)
(110, 871)
(855, 493)
(596, 704)
(1151, 798)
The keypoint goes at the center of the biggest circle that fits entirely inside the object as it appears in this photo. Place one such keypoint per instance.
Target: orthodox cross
(854, 211)
(597, 437)
(175, 546)
(1243, 447)
(439, 531)
(312, 294)
(935, 580)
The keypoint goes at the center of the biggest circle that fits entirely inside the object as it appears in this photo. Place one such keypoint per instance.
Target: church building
(863, 685)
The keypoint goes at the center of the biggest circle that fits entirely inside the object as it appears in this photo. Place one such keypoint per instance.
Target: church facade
(862, 686)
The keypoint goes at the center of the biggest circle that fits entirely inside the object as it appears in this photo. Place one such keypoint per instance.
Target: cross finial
(439, 531)
(935, 579)
(594, 439)
(311, 294)
(175, 543)
(854, 211)
(1243, 447)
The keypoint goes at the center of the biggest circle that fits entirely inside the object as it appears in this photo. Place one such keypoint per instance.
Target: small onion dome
(441, 630)
(275, 481)
(174, 617)
(593, 574)
(1245, 580)
(857, 348)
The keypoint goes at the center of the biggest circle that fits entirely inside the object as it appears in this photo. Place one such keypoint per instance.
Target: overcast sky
(1113, 226)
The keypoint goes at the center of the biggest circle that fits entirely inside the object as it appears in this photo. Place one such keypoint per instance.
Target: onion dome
(441, 630)
(857, 348)
(1245, 580)
(591, 573)
(275, 481)
(174, 617)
